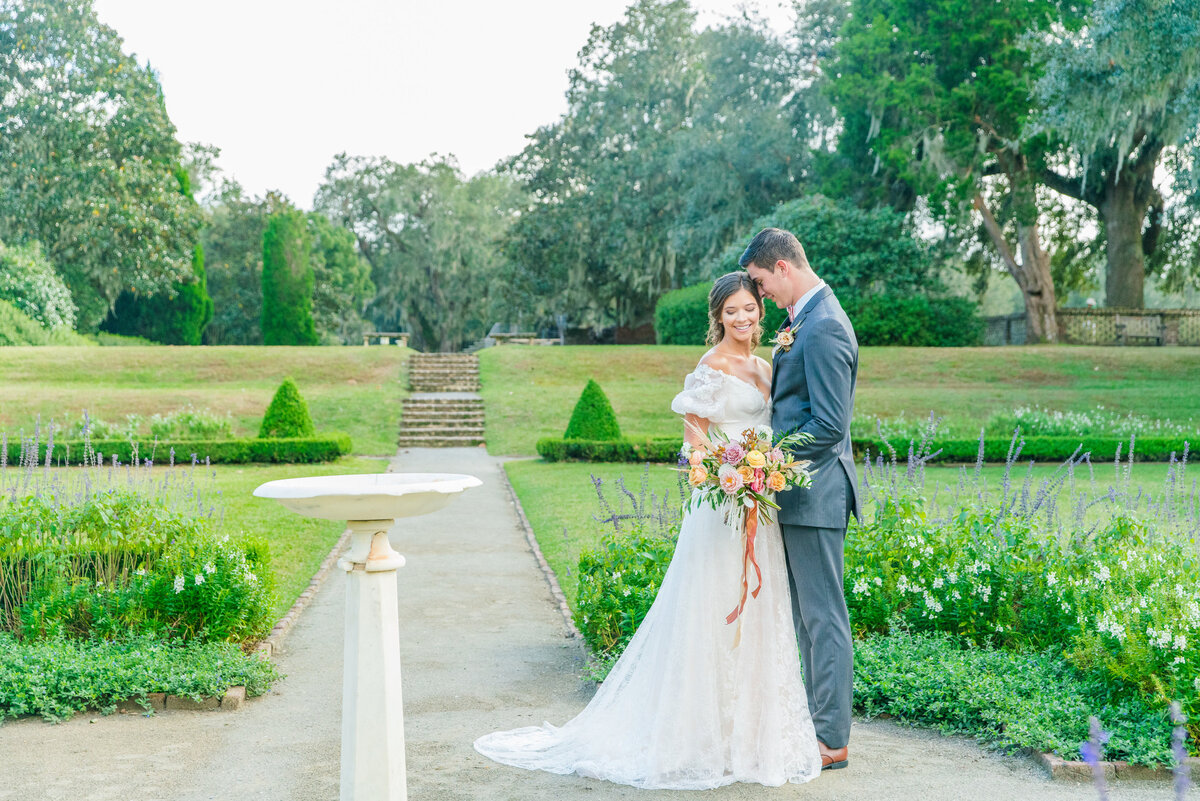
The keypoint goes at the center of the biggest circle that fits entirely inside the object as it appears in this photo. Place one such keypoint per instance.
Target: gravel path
(483, 648)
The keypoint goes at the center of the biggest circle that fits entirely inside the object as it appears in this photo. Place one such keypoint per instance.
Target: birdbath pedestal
(372, 709)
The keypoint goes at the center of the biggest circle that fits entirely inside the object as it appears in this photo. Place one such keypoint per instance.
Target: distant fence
(1104, 327)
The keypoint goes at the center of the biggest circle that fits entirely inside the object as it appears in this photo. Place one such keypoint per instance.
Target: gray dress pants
(815, 562)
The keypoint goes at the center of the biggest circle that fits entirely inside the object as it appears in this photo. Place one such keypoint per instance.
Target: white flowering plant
(1119, 602)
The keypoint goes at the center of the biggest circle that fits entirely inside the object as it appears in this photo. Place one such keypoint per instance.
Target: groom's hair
(769, 246)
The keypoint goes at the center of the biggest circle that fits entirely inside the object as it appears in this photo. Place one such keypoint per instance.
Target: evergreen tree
(287, 416)
(593, 417)
(287, 281)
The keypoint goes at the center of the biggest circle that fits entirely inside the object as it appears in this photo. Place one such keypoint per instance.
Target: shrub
(118, 562)
(29, 282)
(18, 328)
(617, 585)
(175, 318)
(915, 321)
(287, 416)
(55, 678)
(287, 281)
(593, 417)
(191, 423)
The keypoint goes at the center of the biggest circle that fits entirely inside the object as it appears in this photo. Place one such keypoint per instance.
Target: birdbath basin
(373, 496)
(373, 765)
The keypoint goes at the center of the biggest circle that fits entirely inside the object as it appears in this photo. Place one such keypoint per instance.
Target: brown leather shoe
(833, 758)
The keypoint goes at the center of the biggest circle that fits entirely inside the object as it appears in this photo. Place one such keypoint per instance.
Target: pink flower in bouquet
(734, 452)
(757, 483)
(775, 456)
(697, 457)
(729, 479)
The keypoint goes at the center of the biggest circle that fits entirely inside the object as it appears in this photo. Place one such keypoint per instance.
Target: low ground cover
(966, 387)
(119, 581)
(1125, 647)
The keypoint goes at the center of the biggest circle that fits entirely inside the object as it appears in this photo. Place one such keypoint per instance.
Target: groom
(812, 391)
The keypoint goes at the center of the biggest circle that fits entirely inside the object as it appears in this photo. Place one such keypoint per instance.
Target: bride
(685, 707)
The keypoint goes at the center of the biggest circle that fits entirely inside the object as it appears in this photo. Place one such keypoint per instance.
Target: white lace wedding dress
(682, 708)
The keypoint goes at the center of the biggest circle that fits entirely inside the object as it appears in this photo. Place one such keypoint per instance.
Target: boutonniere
(783, 341)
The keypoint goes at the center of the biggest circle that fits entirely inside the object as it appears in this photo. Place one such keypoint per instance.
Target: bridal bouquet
(742, 476)
(745, 473)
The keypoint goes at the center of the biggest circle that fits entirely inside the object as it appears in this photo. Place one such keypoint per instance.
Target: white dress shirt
(796, 307)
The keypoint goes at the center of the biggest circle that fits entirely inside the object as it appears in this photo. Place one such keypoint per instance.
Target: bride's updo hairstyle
(723, 288)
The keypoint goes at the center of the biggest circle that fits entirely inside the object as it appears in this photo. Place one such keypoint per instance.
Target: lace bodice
(724, 400)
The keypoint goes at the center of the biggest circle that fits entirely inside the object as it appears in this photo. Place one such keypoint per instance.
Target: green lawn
(352, 389)
(562, 504)
(963, 385)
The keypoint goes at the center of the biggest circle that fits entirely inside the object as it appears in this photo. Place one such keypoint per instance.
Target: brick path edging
(1061, 769)
(279, 631)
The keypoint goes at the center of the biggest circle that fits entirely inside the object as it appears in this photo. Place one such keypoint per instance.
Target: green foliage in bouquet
(617, 585)
(287, 416)
(593, 417)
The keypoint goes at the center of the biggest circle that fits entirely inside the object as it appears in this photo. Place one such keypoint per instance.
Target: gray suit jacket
(812, 390)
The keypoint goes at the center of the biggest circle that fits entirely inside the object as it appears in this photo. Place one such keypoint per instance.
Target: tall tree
(175, 317)
(88, 157)
(673, 139)
(1122, 93)
(287, 281)
(341, 282)
(431, 238)
(942, 89)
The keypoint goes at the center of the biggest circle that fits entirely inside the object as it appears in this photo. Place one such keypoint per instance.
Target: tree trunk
(1032, 274)
(1124, 214)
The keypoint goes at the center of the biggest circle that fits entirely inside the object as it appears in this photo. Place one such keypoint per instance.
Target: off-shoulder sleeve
(702, 395)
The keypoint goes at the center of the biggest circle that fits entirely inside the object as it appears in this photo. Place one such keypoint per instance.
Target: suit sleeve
(828, 367)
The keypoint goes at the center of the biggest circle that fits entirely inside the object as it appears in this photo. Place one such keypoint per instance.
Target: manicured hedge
(324, 448)
(593, 417)
(554, 449)
(1041, 449)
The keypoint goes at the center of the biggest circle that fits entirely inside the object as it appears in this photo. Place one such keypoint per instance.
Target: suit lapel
(823, 293)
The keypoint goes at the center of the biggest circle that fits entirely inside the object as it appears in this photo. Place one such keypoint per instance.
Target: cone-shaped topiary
(287, 416)
(593, 417)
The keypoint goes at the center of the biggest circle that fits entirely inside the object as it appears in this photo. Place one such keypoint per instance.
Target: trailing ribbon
(748, 558)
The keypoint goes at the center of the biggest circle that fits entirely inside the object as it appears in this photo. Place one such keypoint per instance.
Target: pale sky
(281, 86)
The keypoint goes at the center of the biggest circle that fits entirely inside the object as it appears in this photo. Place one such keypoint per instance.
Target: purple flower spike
(1182, 780)
(1092, 752)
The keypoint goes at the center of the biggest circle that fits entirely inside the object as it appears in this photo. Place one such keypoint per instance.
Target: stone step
(426, 375)
(443, 414)
(443, 431)
(438, 442)
(466, 361)
(443, 407)
(455, 422)
(444, 403)
(456, 387)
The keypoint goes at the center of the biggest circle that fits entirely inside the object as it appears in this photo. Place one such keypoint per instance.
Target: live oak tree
(936, 96)
(431, 237)
(1122, 95)
(88, 157)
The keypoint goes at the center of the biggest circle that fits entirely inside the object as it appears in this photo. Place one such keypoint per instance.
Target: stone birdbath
(372, 709)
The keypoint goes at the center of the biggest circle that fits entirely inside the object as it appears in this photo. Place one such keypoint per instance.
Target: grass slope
(352, 389)
(963, 385)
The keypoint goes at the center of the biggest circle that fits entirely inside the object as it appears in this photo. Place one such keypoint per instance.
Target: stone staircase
(443, 372)
(444, 409)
